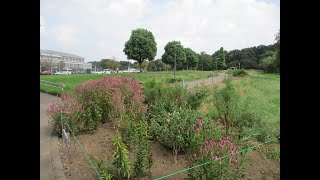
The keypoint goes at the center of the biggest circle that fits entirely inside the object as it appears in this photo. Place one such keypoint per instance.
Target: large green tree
(221, 61)
(205, 62)
(192, 59)
(277, 58)
(174, 49)
(141, 46)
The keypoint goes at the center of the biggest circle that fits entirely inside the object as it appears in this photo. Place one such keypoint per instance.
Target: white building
(61, 60)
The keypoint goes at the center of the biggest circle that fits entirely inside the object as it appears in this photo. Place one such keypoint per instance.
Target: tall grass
(258, 108)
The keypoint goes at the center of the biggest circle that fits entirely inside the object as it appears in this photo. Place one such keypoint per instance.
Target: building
(57, 61)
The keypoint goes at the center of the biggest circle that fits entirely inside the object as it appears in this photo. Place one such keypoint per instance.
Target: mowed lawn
(71, 81)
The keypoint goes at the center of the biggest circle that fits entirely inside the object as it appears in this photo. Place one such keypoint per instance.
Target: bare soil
(99, 143)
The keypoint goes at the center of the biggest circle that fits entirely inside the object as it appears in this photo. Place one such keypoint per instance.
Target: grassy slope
(259, 103)
(71, 81)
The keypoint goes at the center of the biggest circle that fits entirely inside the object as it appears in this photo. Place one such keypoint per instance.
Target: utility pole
(175, 54)
(239, 65)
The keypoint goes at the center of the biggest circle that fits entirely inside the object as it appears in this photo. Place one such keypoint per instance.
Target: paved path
(210, 80)
(50, 163)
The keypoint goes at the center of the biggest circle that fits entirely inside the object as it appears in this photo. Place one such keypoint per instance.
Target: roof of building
(59, 53)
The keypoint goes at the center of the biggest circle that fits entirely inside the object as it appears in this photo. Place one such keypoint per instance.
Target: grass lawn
(71, 81)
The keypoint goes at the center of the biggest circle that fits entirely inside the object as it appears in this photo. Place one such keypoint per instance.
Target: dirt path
(50, 163)
(210, 80)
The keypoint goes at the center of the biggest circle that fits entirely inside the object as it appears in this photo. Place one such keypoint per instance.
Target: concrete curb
(57, 168)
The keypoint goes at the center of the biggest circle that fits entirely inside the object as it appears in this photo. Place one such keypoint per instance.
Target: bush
(226, 102)
(71, 112)
(238, 72)
(171, 127)
(210, 144)
(97, 101)
(196, 97)
(172, 80)
(165, 92)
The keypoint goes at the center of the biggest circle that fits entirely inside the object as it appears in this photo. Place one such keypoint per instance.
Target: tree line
(141, 47)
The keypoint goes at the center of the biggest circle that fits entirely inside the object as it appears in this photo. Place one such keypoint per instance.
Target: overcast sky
(97, 29)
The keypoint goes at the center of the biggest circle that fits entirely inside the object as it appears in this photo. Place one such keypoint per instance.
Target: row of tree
(142, 47)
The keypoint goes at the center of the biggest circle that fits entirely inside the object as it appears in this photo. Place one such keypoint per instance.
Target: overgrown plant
(103, 168)
(210, 145)
(171, 127)
(143, 156)
(97, 101)
(71, 112)
(226, 101)
(121, 155)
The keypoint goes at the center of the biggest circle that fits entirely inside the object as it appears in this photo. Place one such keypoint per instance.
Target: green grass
(258, 106)
(71, 81)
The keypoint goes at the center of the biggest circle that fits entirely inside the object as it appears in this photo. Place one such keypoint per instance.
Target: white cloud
(65, 35)
(43, 31)
(98, 29)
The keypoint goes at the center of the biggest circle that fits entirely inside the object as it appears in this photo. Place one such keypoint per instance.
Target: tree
(144, 65)
(173, 50)
(277, 57)
(221, 62)
(205, 62)
(167, 67)
(192, 59)
(62, 65)
(103, 63)
(112, 64)
(46, 64)
(141, 46)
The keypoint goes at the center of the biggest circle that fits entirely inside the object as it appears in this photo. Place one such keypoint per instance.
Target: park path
(207, 81)
(50, 163)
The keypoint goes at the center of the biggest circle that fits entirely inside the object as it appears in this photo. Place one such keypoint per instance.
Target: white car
(58, 73)
(106, 71)
(96, 72)
(67, 71)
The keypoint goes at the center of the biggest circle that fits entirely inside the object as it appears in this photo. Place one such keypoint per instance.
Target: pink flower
(198, 130)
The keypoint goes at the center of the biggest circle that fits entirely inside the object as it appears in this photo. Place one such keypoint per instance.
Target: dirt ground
(99, 144)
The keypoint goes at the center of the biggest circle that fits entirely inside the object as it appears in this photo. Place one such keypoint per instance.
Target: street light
(175, 57)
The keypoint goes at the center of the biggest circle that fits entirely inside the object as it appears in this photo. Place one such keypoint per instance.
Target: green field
(71, 81)
(258, 106)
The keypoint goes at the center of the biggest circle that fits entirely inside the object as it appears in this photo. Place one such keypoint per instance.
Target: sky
(98, 29)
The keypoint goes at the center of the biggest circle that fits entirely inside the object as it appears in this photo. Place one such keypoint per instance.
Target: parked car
(106, 71)
(58, 73)
(96, 72)
(67, 71)
(47, 73)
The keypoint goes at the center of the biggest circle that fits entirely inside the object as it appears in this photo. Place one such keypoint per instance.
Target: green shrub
(238, 72)
(172, 80)
(143, 155)
(226, 102)
(102, 167)
(69, 109)
(196, 97)
(210, 145)
(97, 101)
(121, 155)
(171, 127)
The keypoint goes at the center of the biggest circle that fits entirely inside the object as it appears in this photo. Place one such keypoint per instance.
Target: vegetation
(151, 105)
(174, 50)
(71, 81)
(141, 46)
